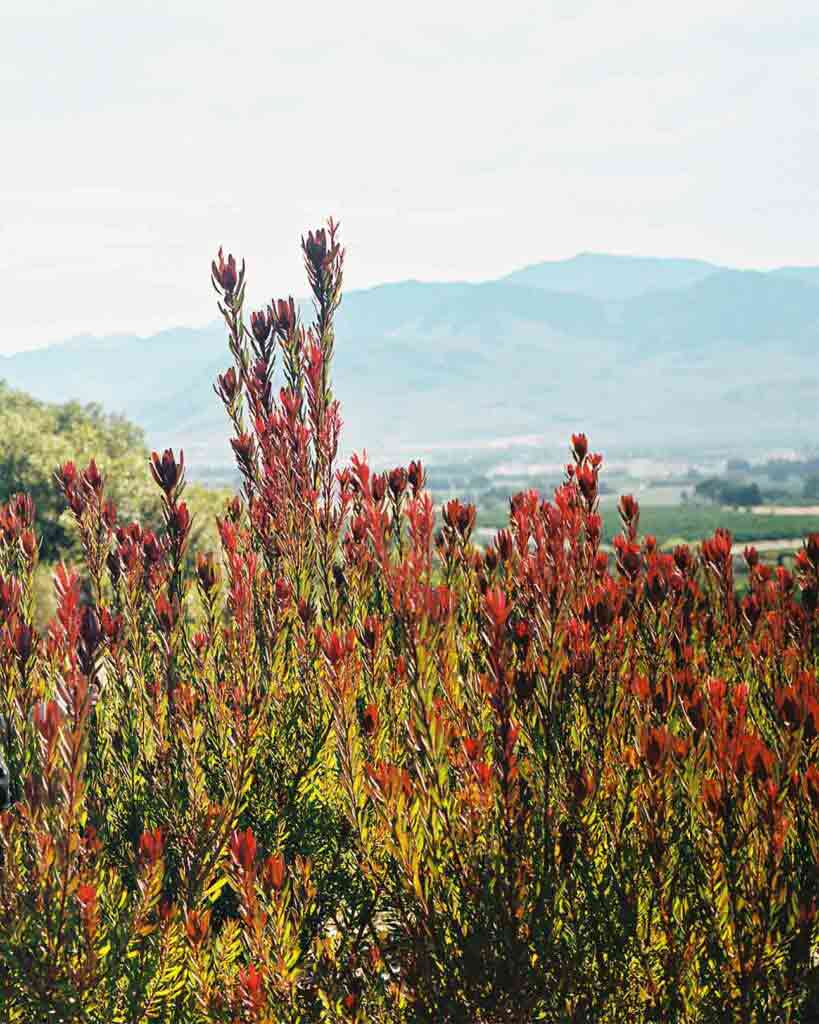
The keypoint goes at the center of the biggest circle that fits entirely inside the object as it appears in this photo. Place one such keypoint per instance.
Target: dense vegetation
(669, 524)
(37, 437)
(378, 774)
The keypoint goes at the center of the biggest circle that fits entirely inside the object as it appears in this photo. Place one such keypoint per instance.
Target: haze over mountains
(650, 353)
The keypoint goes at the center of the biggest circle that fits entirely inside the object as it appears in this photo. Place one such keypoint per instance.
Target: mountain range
(639, 352)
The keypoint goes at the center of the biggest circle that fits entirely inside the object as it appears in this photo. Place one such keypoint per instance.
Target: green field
(691, 523)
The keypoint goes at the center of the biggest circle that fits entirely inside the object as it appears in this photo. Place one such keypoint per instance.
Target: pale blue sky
(453, 140)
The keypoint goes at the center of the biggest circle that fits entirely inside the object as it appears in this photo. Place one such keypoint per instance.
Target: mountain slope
(612, 278)
(727, 355)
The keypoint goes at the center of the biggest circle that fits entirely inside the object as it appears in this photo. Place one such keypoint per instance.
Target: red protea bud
(656, 586)
(23, 641)
(166, 471)
(580, 447)
(86, 897)
(505, 545)
(757, 758)
(305, 611)
(283, 591)
(28, 544)
(114, 567)
(47, 719)
(151, 548)
(587, 481)
(716, 550)
(227, 386)
(244, 448)
(251, 984)
(522, 632)
(112, 625)
(66, 476)
(284, 316)
(683, 559)
(166, 613)
(151, 847)
(224, 273)
(261, 324)
(415, 476)
(460, 518)
(243, 848)
(654, 746)
(629, 510)
(90, 632)
(196, 926)
(629, 557)
(379, 487)
(207, 571)
(92, 477)
(109, 514)
(751, 556)
(371, 632)
(369, 720)
(398, 481)
(273, 871)
(76, 501)
(179, 521)
(315, 248)
(496, 607)
(712, 797)
(473, 749)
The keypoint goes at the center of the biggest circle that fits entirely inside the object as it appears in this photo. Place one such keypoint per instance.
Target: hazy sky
(452, 139)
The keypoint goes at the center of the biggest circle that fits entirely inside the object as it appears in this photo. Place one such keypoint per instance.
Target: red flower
(167, 472)
(207, 571)
(398, 481)
(496, 607)
(261, 324)
(226, 386)
(151, 846)
(166, 613)
(415, 475)
(196, 926)
(224, 273)
(629, 510)
(370, 720)
(47, 719)
(273, 872)
(86, 896)
(243, 848)
(250, 981)
(580, 446)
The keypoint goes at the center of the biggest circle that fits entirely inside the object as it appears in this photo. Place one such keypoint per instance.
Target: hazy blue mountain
(604, 276)
(706, 356)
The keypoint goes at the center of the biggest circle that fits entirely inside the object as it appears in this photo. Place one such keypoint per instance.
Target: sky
(453, 140)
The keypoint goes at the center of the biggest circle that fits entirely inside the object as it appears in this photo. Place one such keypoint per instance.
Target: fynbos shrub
(352, 767)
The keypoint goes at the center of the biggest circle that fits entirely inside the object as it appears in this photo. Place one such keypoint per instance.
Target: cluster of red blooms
(354, 767)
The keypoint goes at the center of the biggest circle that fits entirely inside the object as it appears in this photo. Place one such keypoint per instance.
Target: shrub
(380, 774)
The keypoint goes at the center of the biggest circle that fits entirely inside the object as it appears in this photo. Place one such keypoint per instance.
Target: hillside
(581, 342)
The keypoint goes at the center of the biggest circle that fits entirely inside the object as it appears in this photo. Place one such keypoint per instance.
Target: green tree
(37, 437)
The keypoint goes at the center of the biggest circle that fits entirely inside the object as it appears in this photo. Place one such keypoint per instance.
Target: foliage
(692, 522)
(381, 775)
(810, 488)
(35, 437)
(729, 492)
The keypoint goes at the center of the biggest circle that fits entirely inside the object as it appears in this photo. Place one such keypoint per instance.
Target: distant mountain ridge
(678, 351)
